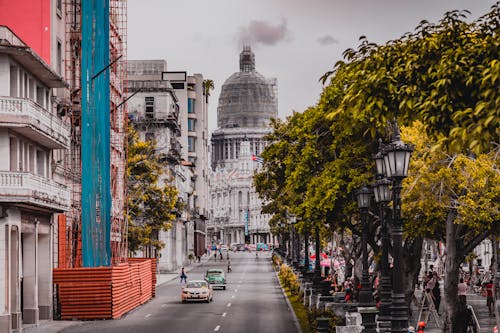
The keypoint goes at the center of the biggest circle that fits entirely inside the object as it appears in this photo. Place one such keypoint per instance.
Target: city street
(252, 302)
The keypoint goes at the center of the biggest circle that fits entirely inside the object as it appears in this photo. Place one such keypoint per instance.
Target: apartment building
(31, 132)
(160, 112)
(193, 103)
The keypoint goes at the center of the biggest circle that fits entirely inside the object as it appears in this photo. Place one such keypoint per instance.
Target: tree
(444, 75)
(151, 201)
(452, 198)
(208, 85)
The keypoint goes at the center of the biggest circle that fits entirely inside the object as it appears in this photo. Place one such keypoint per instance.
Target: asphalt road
(252, 302)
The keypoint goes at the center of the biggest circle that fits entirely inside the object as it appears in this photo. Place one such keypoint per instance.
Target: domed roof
(247, 98)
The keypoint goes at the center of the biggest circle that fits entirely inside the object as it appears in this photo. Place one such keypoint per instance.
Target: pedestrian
(465, 320)
(229, 270)
(462, 290)
(489, 297)
(421, 327)
(411, 329)
(436, 291)
(215, 256)
(183, 276)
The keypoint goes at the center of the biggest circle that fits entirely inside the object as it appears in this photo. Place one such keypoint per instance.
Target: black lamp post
(365, 302)
(396, 161)
(382, 197)
(364, 196)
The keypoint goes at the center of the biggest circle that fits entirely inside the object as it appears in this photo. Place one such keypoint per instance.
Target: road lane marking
(148, 315)
(224, 314)
(216, 328)
(228, 305)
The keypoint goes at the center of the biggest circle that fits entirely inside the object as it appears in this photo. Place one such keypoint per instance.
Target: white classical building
(30, 197)
(247, 103)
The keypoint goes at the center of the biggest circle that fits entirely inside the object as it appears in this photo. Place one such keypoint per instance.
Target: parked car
(262, 247)
(216, 278)
(197, 290)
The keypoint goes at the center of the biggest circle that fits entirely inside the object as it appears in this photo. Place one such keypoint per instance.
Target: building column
(45, 276)
(30, 276)
(4, 279)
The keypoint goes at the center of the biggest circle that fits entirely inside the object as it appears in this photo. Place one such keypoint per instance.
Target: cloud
(327, 40)
(262, 32)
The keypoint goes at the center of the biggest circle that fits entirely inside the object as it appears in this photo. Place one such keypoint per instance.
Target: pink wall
(30, 21)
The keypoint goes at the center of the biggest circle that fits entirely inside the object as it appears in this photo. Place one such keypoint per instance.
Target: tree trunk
(411, 257)
(494, 270)
(454, 256)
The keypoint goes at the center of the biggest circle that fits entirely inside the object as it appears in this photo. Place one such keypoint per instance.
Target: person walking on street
(436, 291)
(229, 270)
(489, 297)
(421, 327)
(462, 290)
(183, 276)
(465, 321)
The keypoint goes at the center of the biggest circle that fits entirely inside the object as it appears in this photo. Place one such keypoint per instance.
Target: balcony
(31, 120)
(30, 189)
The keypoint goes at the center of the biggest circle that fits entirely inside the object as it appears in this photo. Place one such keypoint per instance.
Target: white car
(197, 290)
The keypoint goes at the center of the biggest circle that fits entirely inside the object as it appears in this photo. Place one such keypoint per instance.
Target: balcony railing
(34, 122)
(27, 188)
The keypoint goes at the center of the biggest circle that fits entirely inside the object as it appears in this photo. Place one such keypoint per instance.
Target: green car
(216, 278)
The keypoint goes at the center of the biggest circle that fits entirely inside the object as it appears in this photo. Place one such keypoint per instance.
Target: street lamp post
(317, 263)
(396, 161)
(366, 308)
(382, 197)
(364, 196)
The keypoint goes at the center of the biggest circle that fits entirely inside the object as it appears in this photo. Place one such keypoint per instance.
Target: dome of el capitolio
(247, 98)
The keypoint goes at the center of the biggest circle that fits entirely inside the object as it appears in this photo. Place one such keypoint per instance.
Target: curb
(290, 307)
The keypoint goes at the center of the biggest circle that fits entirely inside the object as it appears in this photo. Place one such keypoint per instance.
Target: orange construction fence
(105, 292)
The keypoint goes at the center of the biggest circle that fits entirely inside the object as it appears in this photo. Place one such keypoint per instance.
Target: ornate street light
(364, 196)
(366, 308)
(381, 189)
(396, 161)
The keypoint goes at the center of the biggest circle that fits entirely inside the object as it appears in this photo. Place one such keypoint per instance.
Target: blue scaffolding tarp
(96, 196)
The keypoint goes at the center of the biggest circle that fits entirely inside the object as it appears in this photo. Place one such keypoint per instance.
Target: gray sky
(295, 41)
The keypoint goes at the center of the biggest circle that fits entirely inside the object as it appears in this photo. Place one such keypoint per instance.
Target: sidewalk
(477, 302)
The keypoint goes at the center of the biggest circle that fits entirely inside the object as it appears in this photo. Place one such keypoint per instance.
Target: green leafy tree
(208, 85)
(452, 198)
(446, 76)
(151, 201)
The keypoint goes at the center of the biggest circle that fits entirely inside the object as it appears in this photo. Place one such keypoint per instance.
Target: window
(191, 105)
(40, 163)
(177, 85)
(150, 107)
(191, 143)
(191, 125)
(14, 164)
(59, 56)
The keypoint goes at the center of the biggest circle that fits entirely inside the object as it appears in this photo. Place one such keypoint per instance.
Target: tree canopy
(440, 83)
